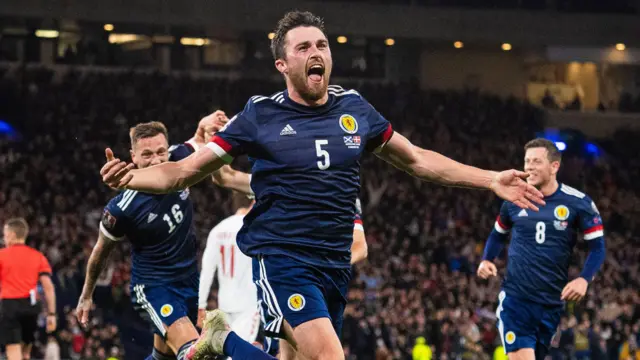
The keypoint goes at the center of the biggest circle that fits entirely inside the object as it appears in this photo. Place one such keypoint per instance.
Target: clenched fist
(487, 269)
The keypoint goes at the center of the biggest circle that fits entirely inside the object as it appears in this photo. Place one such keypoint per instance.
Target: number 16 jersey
(159, 228)
(305, 172)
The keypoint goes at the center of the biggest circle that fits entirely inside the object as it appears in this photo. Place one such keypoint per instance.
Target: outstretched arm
(169, 177)
(164, 178)
(431, 166)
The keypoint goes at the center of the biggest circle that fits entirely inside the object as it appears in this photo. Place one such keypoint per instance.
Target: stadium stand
(419, 280)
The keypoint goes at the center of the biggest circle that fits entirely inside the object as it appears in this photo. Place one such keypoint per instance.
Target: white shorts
(246, 324)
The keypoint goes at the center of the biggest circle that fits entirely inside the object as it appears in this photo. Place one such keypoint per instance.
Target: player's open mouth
(315, 72)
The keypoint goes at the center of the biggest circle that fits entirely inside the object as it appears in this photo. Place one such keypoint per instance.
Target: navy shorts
(297, 292)
(163, 304)
(524, 324)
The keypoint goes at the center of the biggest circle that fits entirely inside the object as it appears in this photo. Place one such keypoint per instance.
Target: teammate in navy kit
(305, 144)
(164, 274)
(535, 287)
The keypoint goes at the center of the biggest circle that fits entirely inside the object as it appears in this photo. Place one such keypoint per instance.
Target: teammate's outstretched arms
(431, 166)
(95, 265)
(163, 178)
(172, 176)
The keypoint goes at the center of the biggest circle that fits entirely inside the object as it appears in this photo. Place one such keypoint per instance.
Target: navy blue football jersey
(542, 243)
(305, 172)
(159, 228)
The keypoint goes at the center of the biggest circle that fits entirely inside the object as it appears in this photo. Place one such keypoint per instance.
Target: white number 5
(325, 162)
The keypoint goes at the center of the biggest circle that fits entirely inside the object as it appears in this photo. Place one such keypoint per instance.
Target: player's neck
(295, 97)
(549, 188)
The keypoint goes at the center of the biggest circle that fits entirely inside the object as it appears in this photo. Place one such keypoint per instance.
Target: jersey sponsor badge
(166, 310)
(348, 124)
(296, 302)
(560, 225)
(510, 337)
(352, 142)
(561, 212)
(108, 220)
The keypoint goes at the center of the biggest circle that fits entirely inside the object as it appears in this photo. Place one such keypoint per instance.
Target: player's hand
(511, 186)
(83, 309)
(201, 315)
(487, 269)
(209, 125)
(52, 323)
(575, 290)
(116, 173)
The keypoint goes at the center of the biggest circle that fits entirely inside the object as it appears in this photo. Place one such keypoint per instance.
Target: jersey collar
(314, 109)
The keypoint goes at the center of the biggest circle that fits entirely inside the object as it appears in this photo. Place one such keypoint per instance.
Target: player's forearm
(431, 166)
(49, 294)
(171, 176)
(159, 179)
(359, 248)
(96, 264)
(595, 259)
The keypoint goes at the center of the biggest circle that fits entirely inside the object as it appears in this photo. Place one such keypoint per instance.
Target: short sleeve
(380, 129)
(113, 222)
(237, 136)
(181, 151)
(503, 221)
(44, 268)
(590, 221)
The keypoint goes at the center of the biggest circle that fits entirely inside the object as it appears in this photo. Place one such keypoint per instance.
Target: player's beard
(308, 90)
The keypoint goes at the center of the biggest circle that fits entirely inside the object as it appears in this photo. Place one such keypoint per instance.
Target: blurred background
(472, 79)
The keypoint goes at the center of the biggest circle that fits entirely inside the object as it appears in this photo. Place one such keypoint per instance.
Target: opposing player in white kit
(237, 295)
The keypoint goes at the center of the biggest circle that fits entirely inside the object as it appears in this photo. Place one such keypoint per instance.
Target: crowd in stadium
(425, 242)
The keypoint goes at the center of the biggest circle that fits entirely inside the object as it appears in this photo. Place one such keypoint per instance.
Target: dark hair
(147, 130)
(290, 21)
(18, 226)
(553, 154)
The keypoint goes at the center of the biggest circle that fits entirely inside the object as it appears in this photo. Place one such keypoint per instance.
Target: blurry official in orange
(21, 267)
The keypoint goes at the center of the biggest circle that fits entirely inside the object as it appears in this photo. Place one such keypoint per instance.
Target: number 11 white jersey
(237, 291)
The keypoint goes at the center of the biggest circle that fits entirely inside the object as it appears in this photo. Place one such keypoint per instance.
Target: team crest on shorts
(510, 338)
(296, 302)
(561, 212)
(349, 124)
(166, 310)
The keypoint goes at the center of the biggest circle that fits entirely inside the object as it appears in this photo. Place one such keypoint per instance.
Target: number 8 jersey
(305, 172)
(542, 243)
(159, 228)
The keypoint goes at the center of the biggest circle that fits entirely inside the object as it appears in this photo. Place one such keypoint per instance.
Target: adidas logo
(151, 217)
(523, 213)
(288, 130)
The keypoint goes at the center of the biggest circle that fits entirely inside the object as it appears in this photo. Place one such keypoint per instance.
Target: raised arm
(431, 166)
